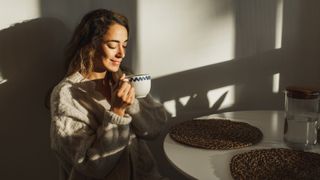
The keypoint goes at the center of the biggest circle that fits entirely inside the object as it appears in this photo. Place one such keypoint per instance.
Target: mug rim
(136, 75)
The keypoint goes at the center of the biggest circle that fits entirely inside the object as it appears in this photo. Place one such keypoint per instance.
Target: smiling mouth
(116, 62)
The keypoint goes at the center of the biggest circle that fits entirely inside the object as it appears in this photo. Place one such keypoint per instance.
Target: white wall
(219, 55)
(208, 57)
(12, 14)
(17, 11)
(175, 36)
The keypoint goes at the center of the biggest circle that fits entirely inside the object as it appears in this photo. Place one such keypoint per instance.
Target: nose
(121, 52)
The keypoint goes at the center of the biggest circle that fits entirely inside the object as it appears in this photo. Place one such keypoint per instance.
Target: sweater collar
(77, 77)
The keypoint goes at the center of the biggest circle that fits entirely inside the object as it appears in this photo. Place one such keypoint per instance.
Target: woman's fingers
(131, 96)
(125, 93)
(124, 88)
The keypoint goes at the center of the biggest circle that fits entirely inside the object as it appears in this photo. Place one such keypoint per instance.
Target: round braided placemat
(218, 134)
(276, 163)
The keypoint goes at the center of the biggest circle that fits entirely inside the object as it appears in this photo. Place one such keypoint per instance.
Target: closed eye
(113, 44)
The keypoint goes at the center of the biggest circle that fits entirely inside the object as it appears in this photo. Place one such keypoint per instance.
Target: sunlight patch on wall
(170, 106)
(184, 100)
(2, 79)
(225, 96)
(222, 98)
(185, 36)
(17, 11)
(276, 83)
(279, 24)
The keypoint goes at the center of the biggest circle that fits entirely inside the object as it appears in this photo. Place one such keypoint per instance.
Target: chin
(113, 69)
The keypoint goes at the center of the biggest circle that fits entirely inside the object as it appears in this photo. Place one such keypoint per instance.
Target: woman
(98, 127)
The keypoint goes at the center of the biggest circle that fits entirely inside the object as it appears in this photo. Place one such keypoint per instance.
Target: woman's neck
(101, 82)
(97, 75)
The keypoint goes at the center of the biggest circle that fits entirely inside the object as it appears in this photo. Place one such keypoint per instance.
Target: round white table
(214, 164)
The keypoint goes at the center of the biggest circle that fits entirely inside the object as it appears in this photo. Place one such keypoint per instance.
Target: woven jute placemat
(276, 163)
(217, 134)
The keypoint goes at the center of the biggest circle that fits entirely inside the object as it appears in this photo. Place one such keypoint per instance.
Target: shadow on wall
(31, 60)
(259, 27)
(251, 80)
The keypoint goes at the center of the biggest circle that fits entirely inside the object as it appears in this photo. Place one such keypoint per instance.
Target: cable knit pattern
(126, 119)
(93, 143)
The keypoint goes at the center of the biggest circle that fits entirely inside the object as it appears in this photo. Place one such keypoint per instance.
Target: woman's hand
(122, 96)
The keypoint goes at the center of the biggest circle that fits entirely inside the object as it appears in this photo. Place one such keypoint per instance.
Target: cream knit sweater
(93, 143)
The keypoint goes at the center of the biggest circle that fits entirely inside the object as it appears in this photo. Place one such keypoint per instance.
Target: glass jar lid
(302, 92)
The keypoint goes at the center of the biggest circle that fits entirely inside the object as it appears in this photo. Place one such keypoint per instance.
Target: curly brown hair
(88, 36)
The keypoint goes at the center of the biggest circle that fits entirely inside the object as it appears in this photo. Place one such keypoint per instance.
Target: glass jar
(301, 117)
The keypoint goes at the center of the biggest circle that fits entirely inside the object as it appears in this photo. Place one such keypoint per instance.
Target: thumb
(122, 77)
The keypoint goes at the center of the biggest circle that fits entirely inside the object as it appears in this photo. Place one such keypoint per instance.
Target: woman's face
(113, 47)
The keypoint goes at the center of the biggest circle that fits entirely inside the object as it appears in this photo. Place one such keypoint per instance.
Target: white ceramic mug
(141, 84)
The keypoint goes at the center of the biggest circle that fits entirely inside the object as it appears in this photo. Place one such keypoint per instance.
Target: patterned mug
(141, 84)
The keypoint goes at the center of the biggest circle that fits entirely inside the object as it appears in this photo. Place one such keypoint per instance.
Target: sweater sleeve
(91, 147)
(148, 117)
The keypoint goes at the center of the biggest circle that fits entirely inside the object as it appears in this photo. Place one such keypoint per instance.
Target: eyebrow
(115, 41)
